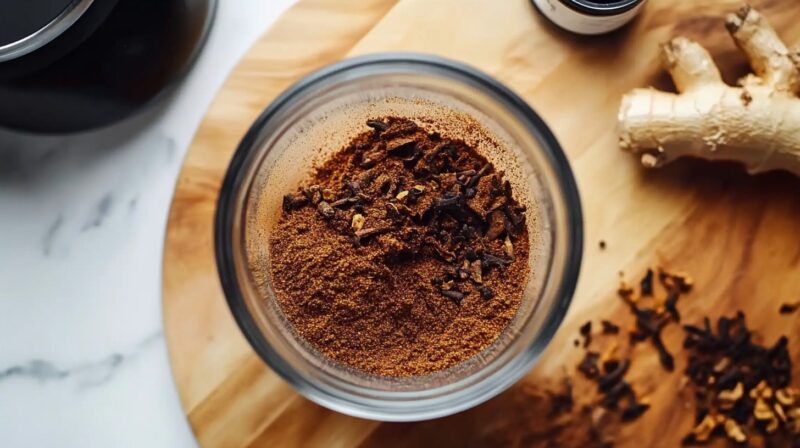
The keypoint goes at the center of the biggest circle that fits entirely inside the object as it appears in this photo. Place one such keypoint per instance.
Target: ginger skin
(757, 123)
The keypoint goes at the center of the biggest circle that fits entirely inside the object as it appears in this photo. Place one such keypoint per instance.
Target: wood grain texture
(737, 234)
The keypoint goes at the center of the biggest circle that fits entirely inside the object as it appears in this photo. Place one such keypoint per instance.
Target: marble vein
(100, 213)
(88, 374)
(50, 235)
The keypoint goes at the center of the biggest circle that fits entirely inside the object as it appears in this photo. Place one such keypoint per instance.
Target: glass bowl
(322, 113)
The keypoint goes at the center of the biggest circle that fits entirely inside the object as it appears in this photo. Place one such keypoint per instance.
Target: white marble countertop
(82, 218)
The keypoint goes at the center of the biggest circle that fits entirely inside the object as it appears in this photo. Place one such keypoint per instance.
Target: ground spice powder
(404, 254)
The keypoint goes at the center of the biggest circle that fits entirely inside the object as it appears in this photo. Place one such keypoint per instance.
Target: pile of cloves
(607, 369)
(740, 386)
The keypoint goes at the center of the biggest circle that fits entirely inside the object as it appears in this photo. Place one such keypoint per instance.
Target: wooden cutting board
(738, 235)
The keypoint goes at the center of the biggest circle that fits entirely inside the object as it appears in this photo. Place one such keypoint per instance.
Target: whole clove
(456, 296)
(378, 125)
(609, 327)
(589, 365)
(475, 178)
(789, 308)
(493, 261)
(402, 148)
(609, 380)
(646, 285)
(344, 202)
(586, 332)
(562, 401)
(363, 234)
(326, 210)
(664, 356)
(671, 305)
(615, 393)
(293, 202)
(634, 411)
(486, 292)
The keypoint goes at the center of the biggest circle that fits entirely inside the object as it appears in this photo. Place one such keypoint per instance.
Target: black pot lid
(26, 25)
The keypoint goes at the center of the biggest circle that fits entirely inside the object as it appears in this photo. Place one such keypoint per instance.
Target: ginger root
(756, 123)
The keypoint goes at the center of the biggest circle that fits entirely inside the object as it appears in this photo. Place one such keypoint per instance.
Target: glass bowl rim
(226, 207)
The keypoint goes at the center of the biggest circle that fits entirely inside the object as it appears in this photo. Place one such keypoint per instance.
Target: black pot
(72, 65)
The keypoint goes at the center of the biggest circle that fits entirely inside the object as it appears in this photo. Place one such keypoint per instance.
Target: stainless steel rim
(47, 33)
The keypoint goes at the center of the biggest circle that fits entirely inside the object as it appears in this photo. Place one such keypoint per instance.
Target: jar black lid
(26, 25)
(602, 7)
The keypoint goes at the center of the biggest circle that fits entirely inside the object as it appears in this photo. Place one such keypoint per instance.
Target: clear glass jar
(319, 115)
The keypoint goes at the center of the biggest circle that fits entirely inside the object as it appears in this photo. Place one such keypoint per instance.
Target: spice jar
(319, 115)
(589, 16)
(70, 65)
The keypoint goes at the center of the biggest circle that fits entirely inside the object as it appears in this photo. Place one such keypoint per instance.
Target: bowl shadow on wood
(521, 416)
(709, 180)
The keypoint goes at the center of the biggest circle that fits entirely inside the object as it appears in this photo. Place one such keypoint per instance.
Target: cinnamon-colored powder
(404, 254)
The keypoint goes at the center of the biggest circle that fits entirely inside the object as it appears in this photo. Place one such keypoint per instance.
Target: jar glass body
(319, 115)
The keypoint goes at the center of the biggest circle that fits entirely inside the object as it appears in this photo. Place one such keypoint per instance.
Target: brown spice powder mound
(405, 254)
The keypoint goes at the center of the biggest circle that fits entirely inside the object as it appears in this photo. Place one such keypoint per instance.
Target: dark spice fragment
(615, 393)
(398, 127)
(404, 148)
(609, 327)
(609, 380)
(789, 308)
(634, 411)
(586, 332)
(648, 321)
(493, 261)
(563, 401)
(496, 225)
(371, 158)
(326, 210)
(515, 219)
(610, 365)
(474, 179)
(292, 202)
(456, 296)
(667, 360)
(675, 281)
(486, 292)
(364, 234)
(589, 364)
(671, 305)
(646, 285)
(377, 125)
(312, 193)
(344, 202)
(689, 440)
(602, 244)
